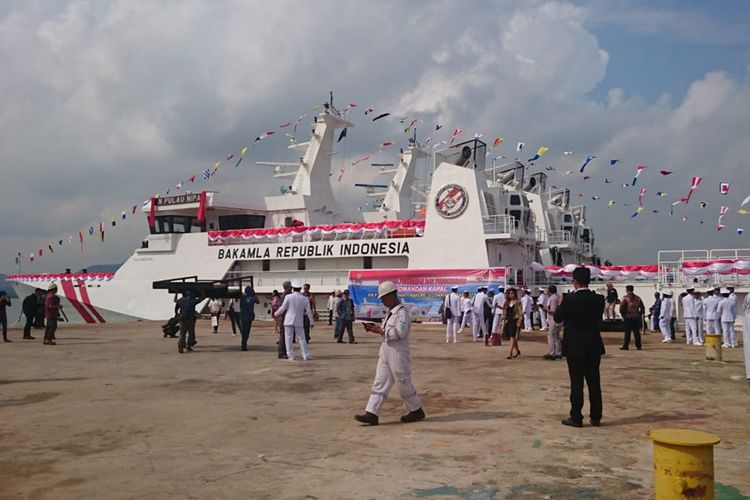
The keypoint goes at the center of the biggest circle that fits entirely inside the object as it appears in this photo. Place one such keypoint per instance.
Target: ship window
(367, 262)
(266, 265)
(301, 264)
(165, 224)
(515, 199)
(241, 221)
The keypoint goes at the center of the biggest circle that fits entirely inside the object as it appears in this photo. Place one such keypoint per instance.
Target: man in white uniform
(541, 302)
(726, 315)
(746, 337)
(294, 309)
(689, 314)
(700, 314)
(665, 316)
(453, 304)
(497, 309)
(465, 311)
(527, 305)
(710, 306)
(478, 325)
(394, 361)
(554, 344)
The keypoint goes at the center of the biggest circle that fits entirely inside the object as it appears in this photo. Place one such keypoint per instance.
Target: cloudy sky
(103, 104)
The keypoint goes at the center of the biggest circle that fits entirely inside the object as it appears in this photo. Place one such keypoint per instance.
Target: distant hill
(103, 268)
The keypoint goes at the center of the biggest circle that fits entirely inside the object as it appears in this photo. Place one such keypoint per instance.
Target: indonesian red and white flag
(456, 133)
(638, 170)
(693, 186)
(640, 196)
(722, 213)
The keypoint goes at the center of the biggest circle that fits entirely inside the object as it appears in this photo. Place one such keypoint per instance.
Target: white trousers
(543, 319)
(666, 332)
(554, 345)
(466, 319)
(527, 321)
(713, 326)
(393, 367)
(497, 320)
(451, 329)
(478, 325)
(746, 343)
(727, 329)
(691, 330)
(289, 334)
(700, 330)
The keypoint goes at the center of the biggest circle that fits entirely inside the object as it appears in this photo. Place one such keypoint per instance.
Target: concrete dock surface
(113, 411)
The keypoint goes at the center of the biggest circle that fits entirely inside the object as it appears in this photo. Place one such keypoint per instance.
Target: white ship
(474, 214)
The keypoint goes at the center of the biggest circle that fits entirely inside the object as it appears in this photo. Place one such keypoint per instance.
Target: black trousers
(330, 317)
(587, 369)
(346, 324)
(49, 331)
(306, 328)
(281, 347)
(245, 326)
(29, 324)
(234, 317)
(634, 326)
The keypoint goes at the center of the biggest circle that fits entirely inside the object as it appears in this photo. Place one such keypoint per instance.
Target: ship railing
(671, 274)
(317, 236)
(559, 237)
(319, 280)
(541, 236)
(500, 224)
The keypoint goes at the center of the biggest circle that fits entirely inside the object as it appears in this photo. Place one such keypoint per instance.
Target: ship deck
(113, 411)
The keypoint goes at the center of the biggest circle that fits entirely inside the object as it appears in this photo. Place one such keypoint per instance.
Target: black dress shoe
(547, 356)
(367, 418)
(572, 423)
(624, 349)
(596, 423)
(283, 357)
(413, 416)
(244, 348)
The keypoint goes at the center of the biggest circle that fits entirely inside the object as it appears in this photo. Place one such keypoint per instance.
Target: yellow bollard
(713, 347)
(683, 464)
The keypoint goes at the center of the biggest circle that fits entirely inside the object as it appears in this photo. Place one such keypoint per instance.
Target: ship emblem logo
(451, 201)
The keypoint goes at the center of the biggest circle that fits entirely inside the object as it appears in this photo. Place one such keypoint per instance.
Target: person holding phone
(394, 361)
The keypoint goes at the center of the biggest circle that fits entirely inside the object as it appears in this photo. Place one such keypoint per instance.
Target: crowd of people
(41, 311)
(503, 316)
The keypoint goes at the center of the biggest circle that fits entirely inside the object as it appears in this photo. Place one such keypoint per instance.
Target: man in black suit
(581, 313)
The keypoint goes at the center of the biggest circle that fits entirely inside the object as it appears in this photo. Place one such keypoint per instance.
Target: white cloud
(105, 103)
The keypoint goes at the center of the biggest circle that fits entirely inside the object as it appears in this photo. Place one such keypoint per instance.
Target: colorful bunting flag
(745, 201)
(588, 159)
(740, 230)
(539, 153)
(496, 142)
(724, 188)
(613, 162)
(381, 115)
(640, 196)
(206, 174)
(192, 179)
(638, 170)
(665, 172)
(456, 133)
(341, 135)
(722, 213)
(742, 211)
(694, 183)
(519, 147)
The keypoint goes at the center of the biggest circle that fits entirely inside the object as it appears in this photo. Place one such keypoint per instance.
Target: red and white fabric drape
(721, 266)
(607, 272)
(63, 277)
(417, 226)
